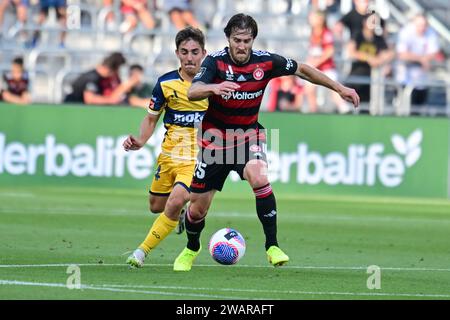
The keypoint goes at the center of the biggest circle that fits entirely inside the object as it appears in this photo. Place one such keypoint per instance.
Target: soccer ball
(227, 246)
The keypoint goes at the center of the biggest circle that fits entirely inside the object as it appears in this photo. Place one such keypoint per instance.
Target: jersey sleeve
(92, 86)
(157, 101)
(207, 71)
(282, 66)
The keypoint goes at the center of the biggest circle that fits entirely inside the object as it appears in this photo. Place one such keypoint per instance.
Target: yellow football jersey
(182, 117)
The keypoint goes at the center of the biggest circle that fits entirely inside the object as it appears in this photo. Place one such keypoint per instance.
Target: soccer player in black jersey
(234, 80)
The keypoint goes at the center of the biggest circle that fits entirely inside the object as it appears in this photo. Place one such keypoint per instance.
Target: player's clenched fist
(350, 95)
(226, 88)
(131, 143)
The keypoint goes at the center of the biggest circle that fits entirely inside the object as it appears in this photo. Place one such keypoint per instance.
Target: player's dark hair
(241, 21)
(136, 67)
(190, 33)
(18, 61)
(114, 61)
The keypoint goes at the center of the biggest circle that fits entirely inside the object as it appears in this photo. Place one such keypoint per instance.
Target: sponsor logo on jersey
(241, 78)
(188, 118)
(200, 73)
(229, 74)
(151, 104)
(243, 95)
(258, 74)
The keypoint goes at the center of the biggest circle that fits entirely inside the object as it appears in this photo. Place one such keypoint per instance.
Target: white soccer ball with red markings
(227, 246)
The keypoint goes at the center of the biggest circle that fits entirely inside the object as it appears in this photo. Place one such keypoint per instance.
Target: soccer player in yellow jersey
(169, 191)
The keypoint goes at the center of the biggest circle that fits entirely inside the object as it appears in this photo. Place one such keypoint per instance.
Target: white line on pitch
(119, 288)
(240, 215)
(280, 291)
(216, 265)
(105, 288)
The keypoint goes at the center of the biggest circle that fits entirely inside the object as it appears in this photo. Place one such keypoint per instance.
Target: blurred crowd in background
(393, 59)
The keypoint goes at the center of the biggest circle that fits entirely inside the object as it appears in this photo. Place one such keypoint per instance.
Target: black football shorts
(214, 165)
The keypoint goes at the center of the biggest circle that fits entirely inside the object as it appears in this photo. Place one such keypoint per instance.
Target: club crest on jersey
(258, 74)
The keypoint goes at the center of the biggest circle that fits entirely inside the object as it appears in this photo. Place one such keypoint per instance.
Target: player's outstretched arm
(316, 76)
(200, 90)
(147, 128)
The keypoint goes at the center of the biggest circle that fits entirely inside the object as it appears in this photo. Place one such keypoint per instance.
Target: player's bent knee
(156, 209)
(257, 180)
(197, 213)
(156, 206)
(174, 205)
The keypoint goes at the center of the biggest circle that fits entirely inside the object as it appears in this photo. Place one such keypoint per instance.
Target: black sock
(193, 231)
(266, 207)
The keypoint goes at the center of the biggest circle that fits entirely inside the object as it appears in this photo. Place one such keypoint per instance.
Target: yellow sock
(159, 230)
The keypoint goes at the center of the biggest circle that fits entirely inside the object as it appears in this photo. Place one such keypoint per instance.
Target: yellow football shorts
(170, 172)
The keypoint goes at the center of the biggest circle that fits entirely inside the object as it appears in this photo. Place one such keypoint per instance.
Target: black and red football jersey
(240, 109)
(16, 87)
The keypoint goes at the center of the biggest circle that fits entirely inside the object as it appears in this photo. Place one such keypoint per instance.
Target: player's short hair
(18, 61)
(136, 67)
(190, 33)
(241, 21)
(114, 61)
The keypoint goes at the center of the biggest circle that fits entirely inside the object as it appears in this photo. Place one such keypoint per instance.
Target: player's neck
(240, 63)
(185, 76)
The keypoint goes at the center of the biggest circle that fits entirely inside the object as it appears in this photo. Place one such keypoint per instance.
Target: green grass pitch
(331, 242)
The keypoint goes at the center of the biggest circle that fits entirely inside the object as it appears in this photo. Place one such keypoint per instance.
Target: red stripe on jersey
(266, 66)
(249, 86)
(240, 120)
(253, 85)
(233, 133)
(236, 104)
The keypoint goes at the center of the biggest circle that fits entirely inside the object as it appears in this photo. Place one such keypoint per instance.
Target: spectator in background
(320, 56)
(133, 10)
(181, 13)
(327, 6)
(16, 82)
(60, 8)
(21, 12)
(354, 20)
(110, 21)
(286, 94)
(102, 85)
(417, 47)
(141, 92)
(368, 51)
